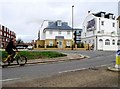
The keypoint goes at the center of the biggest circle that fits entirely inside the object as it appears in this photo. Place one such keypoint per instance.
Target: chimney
(88, 11)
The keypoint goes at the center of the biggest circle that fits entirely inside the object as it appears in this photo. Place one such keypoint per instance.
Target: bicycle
(21, 59)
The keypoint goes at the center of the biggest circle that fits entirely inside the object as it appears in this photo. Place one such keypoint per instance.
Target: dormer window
(102, 15)
(59, 23)
(111, 16)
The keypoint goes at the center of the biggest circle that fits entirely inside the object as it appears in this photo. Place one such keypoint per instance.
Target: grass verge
(36, 55)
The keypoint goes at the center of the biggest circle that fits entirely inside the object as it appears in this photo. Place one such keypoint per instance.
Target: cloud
(25, 16)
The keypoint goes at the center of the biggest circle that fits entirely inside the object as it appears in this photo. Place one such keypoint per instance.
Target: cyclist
(10, 47)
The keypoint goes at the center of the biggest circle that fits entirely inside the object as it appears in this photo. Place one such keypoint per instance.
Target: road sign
(118, 52)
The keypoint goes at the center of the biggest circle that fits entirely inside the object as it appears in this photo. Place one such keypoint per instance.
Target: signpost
(117, 59)
(117, 63)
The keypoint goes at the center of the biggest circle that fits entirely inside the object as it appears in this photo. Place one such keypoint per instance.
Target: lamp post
(72, 25)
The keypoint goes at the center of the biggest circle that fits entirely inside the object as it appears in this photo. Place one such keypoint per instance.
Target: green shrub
(80, 45)
(36, 54)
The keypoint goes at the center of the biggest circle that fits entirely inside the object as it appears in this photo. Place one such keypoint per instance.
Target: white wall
(107, 28)
(108, 25)
(108, 47)
(42, 34)
(55, 33)
(90, 33)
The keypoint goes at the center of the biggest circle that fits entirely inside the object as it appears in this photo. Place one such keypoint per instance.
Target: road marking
(72, 70)
(83, 68)
(9, 79)
(104, 65)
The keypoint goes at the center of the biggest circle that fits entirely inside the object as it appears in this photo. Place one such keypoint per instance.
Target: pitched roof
(106, 15)
(53, 25)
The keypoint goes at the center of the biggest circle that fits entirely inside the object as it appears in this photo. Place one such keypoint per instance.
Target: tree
(19, 41)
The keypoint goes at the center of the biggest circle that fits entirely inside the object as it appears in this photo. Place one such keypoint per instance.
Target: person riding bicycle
(10, 47)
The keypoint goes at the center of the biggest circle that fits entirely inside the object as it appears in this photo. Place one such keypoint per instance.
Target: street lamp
(72, 26)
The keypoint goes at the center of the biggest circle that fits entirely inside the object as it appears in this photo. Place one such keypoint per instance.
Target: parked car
(30, 47)
(20, 47)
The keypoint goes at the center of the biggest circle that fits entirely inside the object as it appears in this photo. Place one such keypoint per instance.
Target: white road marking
(9, 79)
(73, 70)
(83, 68)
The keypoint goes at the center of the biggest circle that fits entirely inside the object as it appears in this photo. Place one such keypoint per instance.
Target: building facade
(55, 34)
(119, 29)
(77, 36)
(100, 30)
(5, 36)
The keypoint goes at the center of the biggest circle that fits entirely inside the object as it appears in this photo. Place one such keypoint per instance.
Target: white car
(30, 47)
(20, 47)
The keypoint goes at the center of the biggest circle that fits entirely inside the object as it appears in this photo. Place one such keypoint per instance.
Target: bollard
(117, 60)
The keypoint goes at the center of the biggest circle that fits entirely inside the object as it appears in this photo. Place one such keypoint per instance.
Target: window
(102, 22)
(50, 32)
(67, 43)
(113, 42)
(50, 43)
(118, 43)
(85, 34)
(4, 34)
(59, 32)
(107, 42)
(100, 40)
(102, 14)
(113, 24)
(59, 23)
(68, 32)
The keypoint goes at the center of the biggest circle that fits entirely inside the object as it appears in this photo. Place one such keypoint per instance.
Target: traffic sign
(118, 52)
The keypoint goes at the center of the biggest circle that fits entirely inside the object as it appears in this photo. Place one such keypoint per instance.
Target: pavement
(69, 57)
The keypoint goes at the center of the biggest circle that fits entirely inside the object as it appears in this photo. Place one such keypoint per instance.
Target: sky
(25, 17)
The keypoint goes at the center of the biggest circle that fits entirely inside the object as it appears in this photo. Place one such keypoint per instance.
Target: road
(97, 58)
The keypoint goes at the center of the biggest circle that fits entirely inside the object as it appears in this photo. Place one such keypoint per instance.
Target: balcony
(113, 33)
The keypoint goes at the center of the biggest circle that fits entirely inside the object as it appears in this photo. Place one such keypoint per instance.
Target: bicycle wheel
(21, 60)
(8, 61)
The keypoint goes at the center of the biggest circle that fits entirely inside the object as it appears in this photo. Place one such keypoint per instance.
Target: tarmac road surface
(43, 70)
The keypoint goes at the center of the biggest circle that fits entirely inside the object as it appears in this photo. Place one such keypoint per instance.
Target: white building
(101, 31)
(55, 33)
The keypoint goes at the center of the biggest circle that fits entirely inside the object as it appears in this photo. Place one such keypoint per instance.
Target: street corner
(84, 56)
(114, 69)
(61, 59)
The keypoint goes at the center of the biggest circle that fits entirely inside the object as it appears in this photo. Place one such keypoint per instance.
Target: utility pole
(72, 25)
